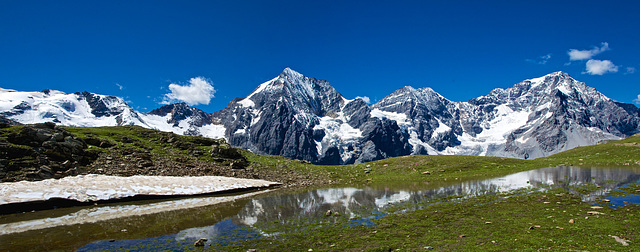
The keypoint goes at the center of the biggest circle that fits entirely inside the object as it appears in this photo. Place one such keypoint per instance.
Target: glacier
(304, 118)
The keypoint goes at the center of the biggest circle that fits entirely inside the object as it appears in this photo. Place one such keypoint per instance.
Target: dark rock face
(43, 151)
(383, 138)
(305, 118)
(278, 118)
(101, 104)
(182, 111)
(426, 111)
(358, 113)
(283, 117)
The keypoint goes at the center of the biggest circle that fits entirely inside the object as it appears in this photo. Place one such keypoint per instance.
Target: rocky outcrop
(382, 138)
(181, 111)
(42, 151)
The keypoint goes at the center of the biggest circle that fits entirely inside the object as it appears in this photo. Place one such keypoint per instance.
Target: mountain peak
(560, 74)
(288, 72)
(554, 77)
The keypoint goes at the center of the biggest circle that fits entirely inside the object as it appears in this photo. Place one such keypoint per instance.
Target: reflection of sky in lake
(358, 206)
(221, 233)
(620, 201)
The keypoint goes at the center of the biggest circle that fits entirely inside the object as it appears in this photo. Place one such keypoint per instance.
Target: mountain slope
(305, 118)
(546, 115)
(79, 109)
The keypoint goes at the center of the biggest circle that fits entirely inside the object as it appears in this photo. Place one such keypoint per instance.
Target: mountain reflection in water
(253, 216)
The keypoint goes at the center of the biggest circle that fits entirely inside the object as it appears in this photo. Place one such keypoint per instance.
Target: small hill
(42, 151)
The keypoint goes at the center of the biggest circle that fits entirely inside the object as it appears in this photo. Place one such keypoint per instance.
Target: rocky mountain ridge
(305, 118)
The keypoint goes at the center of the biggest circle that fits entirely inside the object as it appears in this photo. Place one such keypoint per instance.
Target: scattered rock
(595, 213)
(488, 222)
(328, 213)
(426, 173)
(620, 240)
(428, 247)
(572, 221)
(596, 207)
(201, 242)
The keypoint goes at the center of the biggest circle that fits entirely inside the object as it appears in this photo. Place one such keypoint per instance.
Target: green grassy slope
(130, 150)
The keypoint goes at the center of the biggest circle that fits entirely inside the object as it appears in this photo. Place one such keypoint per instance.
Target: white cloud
(540, 60)
(120, 86)
(365, 99)
(630, 70)
(600, 67)
(575, 54)
(637, 100)
(198, 91)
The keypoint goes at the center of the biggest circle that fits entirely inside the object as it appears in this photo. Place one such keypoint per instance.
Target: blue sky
(150, 52)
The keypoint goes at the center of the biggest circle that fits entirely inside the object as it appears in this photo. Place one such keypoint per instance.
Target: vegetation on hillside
(555, 219)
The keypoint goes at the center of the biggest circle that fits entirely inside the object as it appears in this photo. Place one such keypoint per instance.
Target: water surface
(175, 224)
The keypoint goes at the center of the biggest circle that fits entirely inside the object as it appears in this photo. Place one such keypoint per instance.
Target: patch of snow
(336, 128)
(158, 122)
(494, 132)
(248, 103)
(262, 87)
(564, 89)
(92, 187)
(337, 133)
(537, 81)
(215, 131)
(442, 128)
(399, 118)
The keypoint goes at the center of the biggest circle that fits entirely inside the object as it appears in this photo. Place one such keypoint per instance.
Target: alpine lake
(231, 220)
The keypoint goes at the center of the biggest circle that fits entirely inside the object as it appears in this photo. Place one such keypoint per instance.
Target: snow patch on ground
(215, 131)
(93, 187)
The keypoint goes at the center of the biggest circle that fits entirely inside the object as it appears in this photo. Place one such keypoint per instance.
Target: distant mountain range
(304, 118)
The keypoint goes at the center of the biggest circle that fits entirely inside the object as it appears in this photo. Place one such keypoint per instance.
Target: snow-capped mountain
(79, 109)
(304, 118)
(542, 116)
(92, 110)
